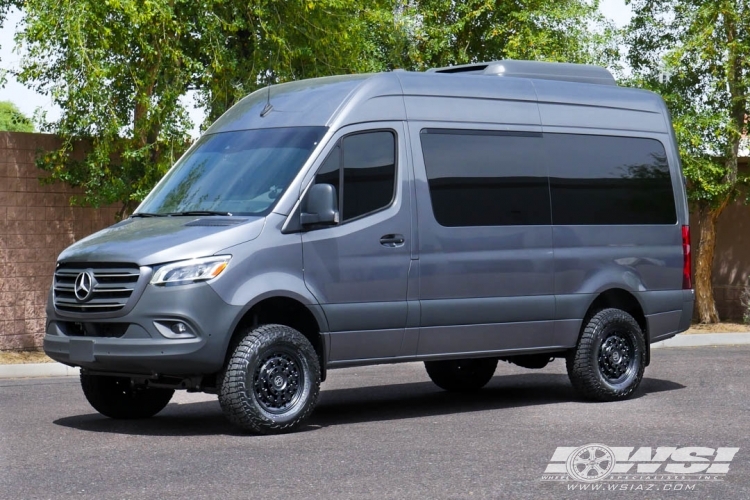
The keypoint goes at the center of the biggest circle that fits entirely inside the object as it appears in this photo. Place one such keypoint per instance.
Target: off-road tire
(271, 382)
(116, 397)
(593, 372)
(461, 375)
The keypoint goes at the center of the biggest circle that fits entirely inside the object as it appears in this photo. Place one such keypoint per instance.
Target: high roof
(338, 100)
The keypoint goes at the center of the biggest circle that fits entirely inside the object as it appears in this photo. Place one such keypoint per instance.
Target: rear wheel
(271, 382)
(116, 397)
(608, 363)
(461, 375)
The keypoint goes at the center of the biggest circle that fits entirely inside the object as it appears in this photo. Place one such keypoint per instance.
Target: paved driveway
(382, 432)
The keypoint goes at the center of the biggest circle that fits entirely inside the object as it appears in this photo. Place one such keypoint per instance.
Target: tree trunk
(704, 291)
(126, 209)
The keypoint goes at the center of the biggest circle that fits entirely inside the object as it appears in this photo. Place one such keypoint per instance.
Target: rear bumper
(665, 325)
(139, 347)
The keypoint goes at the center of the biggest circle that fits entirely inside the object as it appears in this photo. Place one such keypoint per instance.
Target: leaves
(696, 54)
(12, 120)
(265, 42)
(117, 68)
(448, 32)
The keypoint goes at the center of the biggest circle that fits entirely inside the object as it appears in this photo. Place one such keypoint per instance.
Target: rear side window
(609, 180)
(368, 174)
(486, 178)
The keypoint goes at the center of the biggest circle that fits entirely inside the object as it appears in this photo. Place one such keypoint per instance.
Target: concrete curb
(705, 339)
(37, 370)
(693, 340)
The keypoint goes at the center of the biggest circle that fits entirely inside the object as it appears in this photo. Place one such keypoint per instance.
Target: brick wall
(731, 272)
(36, 224)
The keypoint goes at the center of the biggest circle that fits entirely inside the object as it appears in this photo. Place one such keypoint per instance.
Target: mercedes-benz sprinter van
(512, 210)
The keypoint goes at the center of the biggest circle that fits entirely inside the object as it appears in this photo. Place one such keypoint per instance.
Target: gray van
(513, 210)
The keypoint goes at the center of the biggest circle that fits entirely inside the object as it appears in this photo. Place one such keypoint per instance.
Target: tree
(5, 7)
(274, 42)
(696, 53)
(446, 32)
(254, 44)
(12, 120)
(117, 69)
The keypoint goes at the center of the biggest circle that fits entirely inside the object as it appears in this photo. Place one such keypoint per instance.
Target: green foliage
(252, 44)
(117, 69)
(446, 32)
(12, 120)
(5, 6)
(696, 54)
(274, 42)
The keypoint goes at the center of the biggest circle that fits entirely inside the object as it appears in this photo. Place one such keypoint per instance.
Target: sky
(28, 101)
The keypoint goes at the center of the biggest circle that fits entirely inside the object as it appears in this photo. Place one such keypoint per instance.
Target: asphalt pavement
(385, 432)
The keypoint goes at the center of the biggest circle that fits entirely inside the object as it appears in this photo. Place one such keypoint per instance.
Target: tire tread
(232, 381)
(584, 376)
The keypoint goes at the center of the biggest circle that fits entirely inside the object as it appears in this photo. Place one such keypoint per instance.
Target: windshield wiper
(147, 214)
(199, 212)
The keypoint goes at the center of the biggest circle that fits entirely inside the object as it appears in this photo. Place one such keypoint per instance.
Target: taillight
(687, 277)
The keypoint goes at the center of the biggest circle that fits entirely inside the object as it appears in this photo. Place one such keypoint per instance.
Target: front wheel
(461, 375)
(117, 397)
(271, 382)
(608, 363)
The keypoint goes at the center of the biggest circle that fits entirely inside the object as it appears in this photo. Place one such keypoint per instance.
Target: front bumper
(132, 343)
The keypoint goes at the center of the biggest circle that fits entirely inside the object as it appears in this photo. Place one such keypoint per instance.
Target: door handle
(392, 240)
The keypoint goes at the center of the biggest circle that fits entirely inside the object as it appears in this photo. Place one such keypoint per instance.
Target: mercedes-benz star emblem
(84, 286)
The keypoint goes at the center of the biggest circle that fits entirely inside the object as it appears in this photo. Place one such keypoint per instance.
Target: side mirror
(320, 206)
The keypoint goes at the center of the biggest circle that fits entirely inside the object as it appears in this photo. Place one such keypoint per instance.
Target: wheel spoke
(277, 383)
(616, 356)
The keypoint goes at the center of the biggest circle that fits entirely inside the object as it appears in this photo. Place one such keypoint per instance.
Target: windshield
(238, 173)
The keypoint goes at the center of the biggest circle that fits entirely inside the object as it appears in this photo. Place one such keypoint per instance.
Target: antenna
(267, 109)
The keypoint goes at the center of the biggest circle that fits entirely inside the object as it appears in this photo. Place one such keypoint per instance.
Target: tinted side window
(329, 172)
(369, 172)
(486, 178)
(609, 180)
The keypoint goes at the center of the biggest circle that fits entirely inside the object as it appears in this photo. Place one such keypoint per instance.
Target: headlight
(190, 271)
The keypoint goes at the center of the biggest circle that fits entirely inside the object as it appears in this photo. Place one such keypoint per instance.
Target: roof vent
(581, 73)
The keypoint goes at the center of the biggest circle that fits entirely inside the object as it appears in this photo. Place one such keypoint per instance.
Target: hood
(156, 240)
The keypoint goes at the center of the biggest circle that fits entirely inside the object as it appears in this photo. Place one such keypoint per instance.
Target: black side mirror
(320, 206)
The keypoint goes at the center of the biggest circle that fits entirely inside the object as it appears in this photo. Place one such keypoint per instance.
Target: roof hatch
(581, 73)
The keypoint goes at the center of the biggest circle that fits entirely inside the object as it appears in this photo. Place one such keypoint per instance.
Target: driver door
(358, 268)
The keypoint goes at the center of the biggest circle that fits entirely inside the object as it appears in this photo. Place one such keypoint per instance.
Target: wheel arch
(284, 309)
(619, 298)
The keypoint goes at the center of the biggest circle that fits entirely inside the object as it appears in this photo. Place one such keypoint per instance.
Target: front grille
(112, 287)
